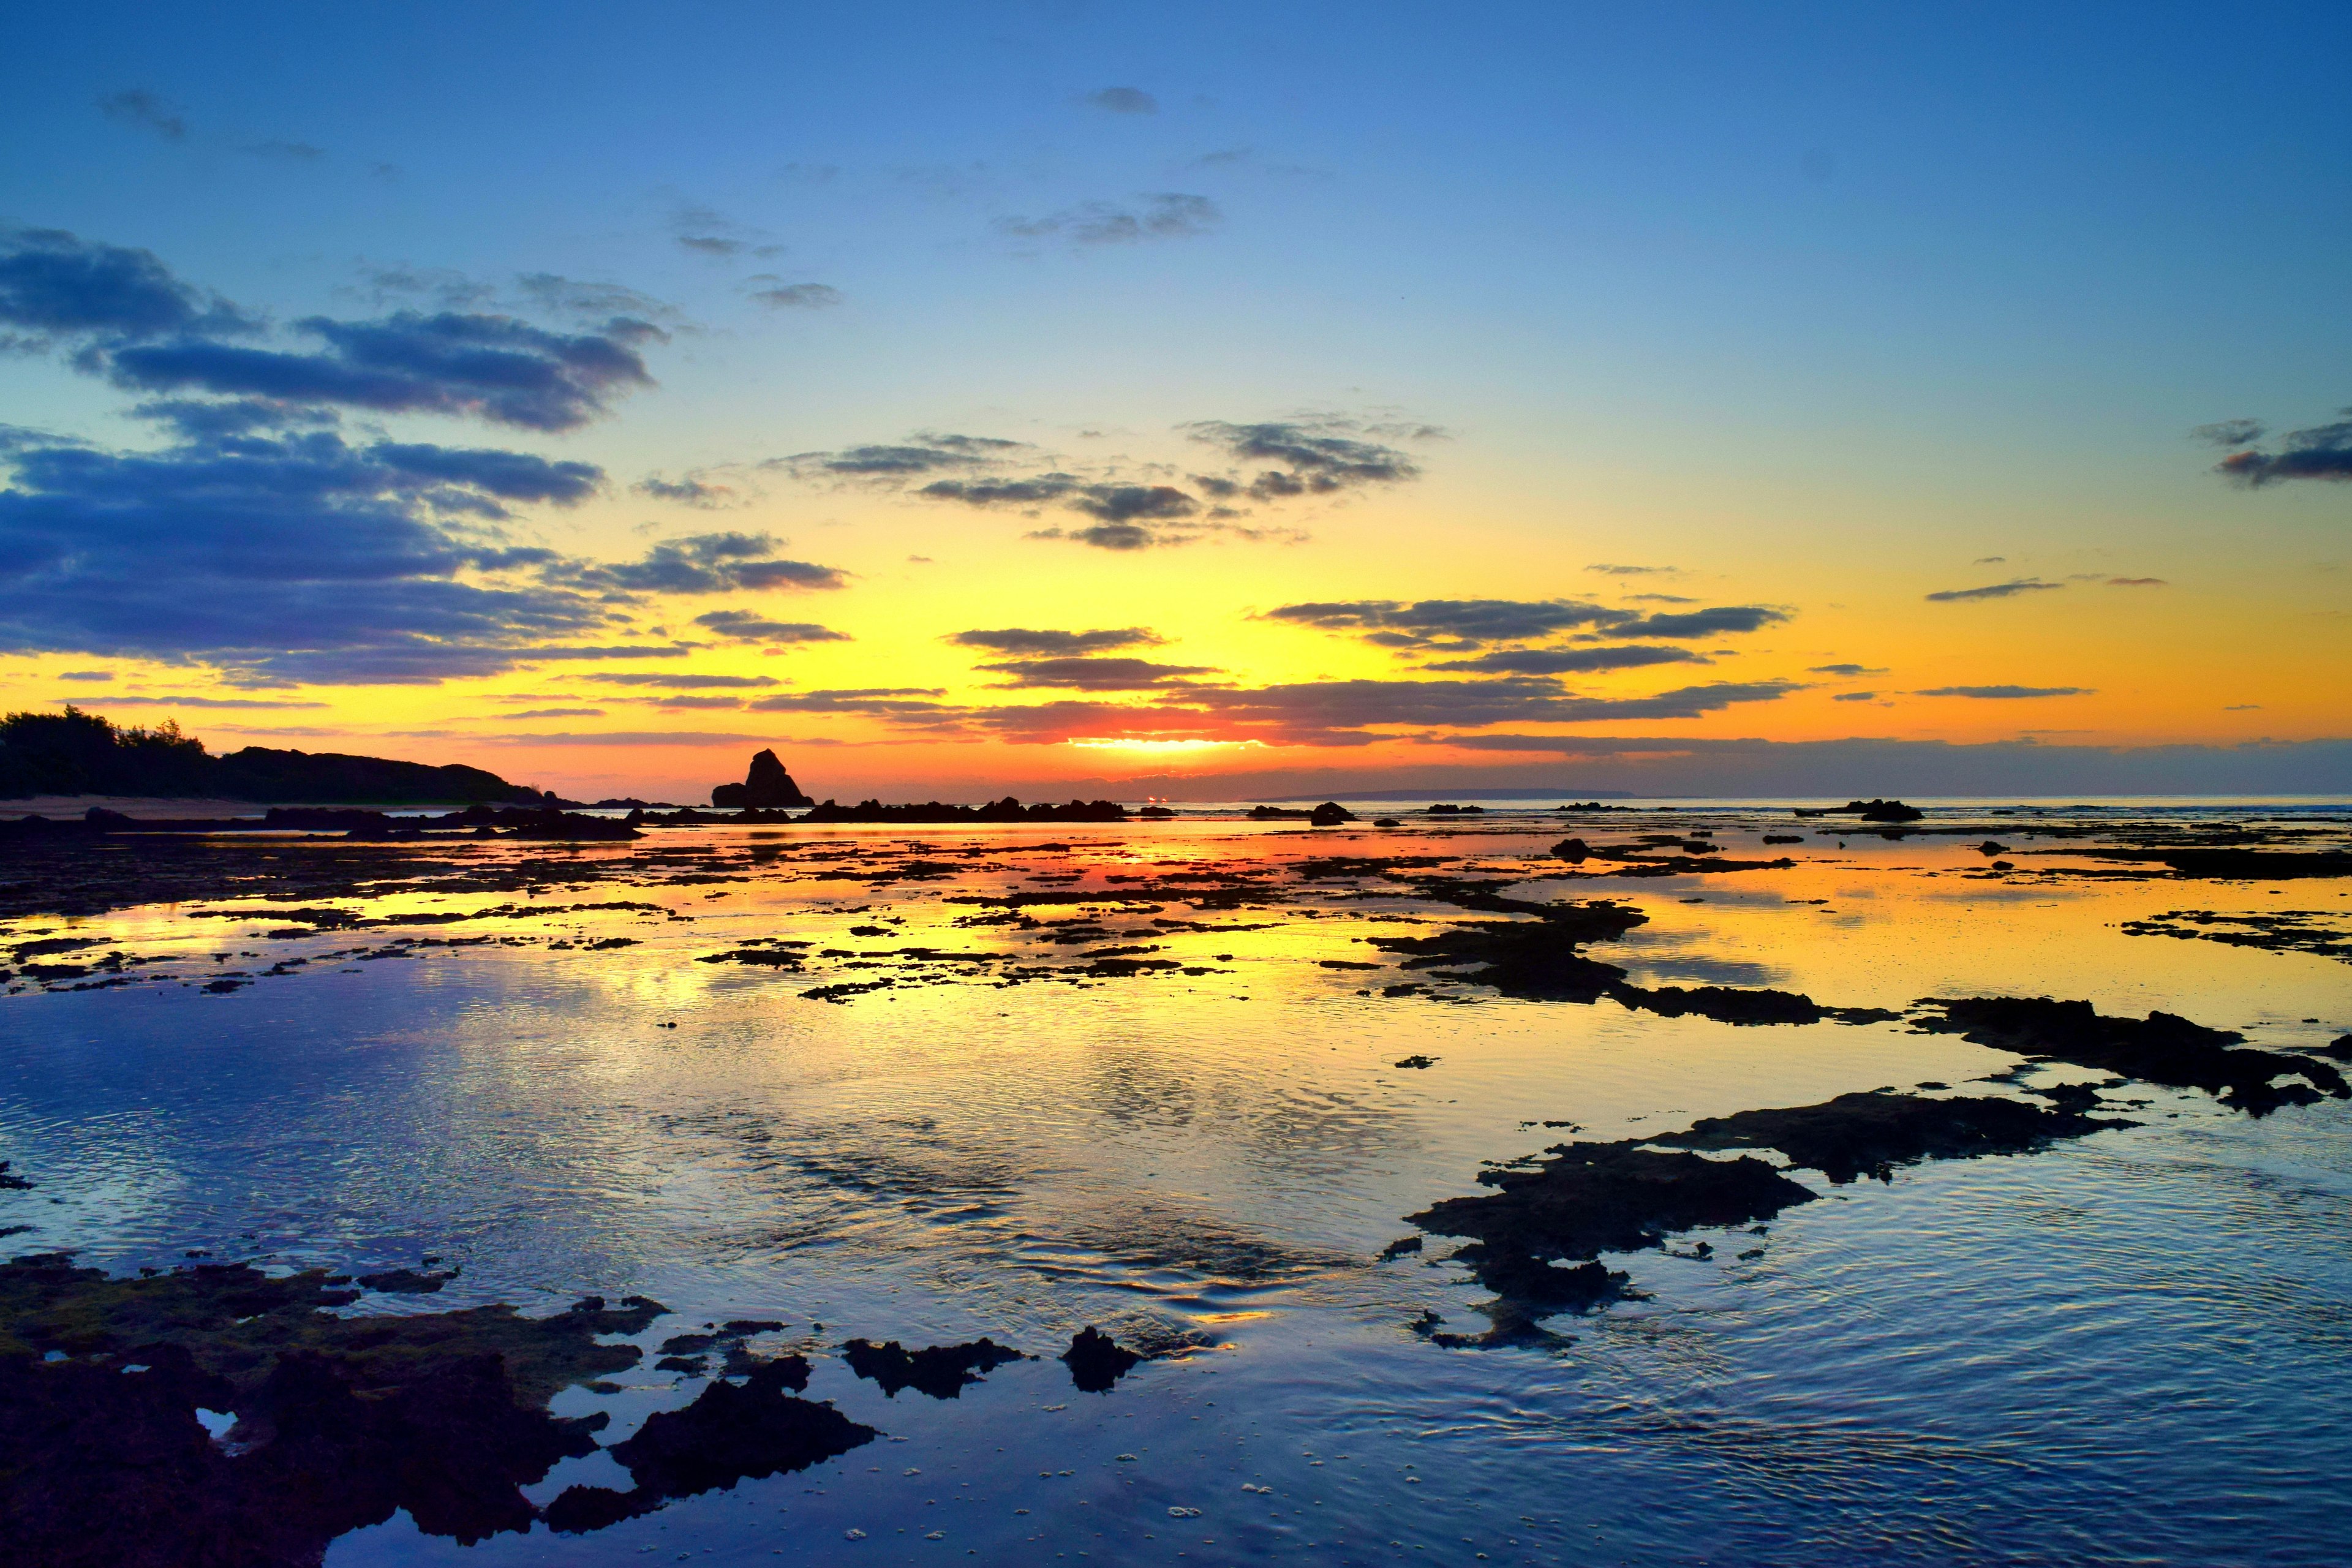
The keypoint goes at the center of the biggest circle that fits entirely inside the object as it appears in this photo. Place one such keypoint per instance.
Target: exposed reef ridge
(1587, 1198)
(2161, 1048)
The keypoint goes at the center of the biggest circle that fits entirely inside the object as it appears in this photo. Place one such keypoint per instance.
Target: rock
(942, 1372)
(1331, 813)
(2162, 1049)
(767, 787)
(1096, 1361)
(1575, 851)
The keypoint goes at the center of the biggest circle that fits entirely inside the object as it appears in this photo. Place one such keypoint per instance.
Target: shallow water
(2126, 1348)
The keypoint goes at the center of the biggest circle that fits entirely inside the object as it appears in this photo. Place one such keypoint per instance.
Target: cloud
(114, 700)
(482, 366)
(706, 563)
(1633, 571)
(690, 701)
(1311, 457)
(1854, 697)
(1848, 669)
(2004, 693)
(93, 675)
(1993, 590)
(297, 152)
(2137, 582)
(1343, 712)
(622, 650)
(145, 330)
(1132, 503)
(1022, 642)
(687, 491)
(148, 110)
(1451, 624)
(2229, 433)
(1568, 661)
(2322, 452)
(53, 283)
(1163, 214)
(510, 476)
(1718, 621)
(889, 701)
(1122, 100)
(799, 296)
(1096, 674)
(924, 452)
(559, 294)
(682, 682)
(556, 713)
(294, 557)
(745, 625)
(631, 737)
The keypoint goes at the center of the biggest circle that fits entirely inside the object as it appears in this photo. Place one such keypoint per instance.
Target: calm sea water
(2131, 1348)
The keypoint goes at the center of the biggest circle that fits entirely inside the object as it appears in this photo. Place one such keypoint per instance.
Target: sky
(1200, 401)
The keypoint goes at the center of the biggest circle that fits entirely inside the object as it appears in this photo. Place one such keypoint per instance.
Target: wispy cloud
(1121, 100)
(2005, 693)
(1159, 215)
(2007, 590)
(147, 110)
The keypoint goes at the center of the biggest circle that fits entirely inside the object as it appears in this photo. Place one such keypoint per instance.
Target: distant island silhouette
(76, 754)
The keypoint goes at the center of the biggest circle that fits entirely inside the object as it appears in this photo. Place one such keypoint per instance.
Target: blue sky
(1802, 300)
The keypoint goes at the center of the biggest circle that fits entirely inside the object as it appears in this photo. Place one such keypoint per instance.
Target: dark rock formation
(1096, 1362)
(1871, 811)
(340, 1421)
(2162, 1047)
(1331, 813)
(942, 1372)
(1005, 810)
(1871, 1133)
(729, 1434)
(767, 787)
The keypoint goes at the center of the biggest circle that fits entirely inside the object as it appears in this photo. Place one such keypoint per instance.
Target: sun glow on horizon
(1125, 744)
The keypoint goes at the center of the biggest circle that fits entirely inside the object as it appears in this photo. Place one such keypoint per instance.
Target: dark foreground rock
(339, 1421)
(1869, 1134)
(2237, 865)
(942, 1372)
(731, 1433)
(1096, 1360)
(2162, 1049)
